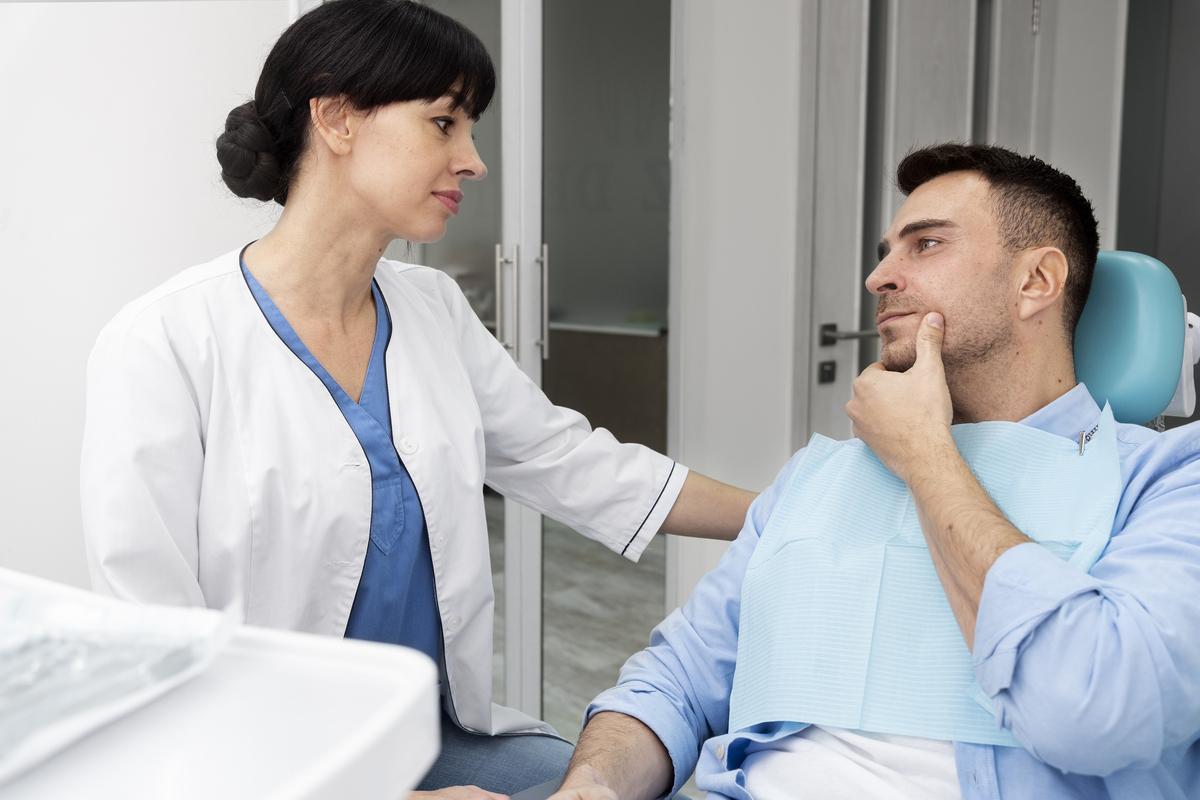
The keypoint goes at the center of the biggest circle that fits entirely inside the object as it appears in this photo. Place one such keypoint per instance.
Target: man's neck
(1009, 386)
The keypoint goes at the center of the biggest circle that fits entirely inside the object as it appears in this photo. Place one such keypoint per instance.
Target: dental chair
(1136, 343)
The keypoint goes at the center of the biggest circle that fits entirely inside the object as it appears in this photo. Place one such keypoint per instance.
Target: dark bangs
(439, 58)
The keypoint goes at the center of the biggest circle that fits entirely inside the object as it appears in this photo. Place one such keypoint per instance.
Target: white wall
(110, 185)
(735, 126)
(1078, 123)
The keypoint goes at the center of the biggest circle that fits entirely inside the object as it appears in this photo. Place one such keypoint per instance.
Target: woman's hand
(584, 783)
(458, 793)
(585, 793)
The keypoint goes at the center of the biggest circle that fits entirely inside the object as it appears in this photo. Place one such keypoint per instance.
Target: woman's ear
(333, 120)
(1043, 274)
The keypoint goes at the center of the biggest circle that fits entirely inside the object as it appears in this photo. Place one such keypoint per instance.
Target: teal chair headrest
(1130, 338)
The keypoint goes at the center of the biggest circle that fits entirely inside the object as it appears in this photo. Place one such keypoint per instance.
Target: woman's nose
(471, 166)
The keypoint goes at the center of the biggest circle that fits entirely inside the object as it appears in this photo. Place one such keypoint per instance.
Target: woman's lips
(450, 200)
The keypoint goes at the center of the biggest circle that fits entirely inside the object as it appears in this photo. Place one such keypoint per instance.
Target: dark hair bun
(246, 151)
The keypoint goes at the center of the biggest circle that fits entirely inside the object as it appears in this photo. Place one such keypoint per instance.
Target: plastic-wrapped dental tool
(72, 661)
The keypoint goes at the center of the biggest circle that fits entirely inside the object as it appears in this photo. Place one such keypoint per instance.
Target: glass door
(605, 193)
(562, 251)
(492, 249)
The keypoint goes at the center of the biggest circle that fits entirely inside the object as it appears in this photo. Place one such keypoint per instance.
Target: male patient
(1008, 609)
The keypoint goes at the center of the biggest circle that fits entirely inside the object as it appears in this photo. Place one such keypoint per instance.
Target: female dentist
(304, 428)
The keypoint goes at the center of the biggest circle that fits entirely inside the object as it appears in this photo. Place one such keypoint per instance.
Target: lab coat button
(453, 622)
(407, 446)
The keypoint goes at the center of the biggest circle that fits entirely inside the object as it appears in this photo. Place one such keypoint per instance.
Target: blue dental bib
(844, 622)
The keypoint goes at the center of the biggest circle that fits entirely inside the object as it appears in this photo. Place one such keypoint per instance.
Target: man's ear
(334, 120)
(1043, 275)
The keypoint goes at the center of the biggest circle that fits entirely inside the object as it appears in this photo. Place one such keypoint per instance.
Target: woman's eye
(925, 244)
(444, 123)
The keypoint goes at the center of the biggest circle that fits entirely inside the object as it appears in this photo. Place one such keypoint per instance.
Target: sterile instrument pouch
(72, 661)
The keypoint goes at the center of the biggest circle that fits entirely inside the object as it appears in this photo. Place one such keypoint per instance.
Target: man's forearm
(965, 530)
(619, 752)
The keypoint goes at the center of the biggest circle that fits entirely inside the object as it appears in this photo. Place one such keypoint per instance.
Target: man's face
(943, 253)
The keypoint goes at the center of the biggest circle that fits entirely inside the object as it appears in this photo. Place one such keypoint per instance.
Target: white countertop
(276, 715)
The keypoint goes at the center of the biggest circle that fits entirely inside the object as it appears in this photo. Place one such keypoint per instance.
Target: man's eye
(444, 123)
(925, 244)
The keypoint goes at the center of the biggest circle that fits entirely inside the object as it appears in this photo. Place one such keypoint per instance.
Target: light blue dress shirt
(1097, 675)
(396, 602)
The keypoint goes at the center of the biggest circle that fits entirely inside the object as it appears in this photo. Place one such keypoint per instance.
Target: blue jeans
(504, 764)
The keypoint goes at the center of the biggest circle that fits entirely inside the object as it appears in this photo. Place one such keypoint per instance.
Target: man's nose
(887, 277)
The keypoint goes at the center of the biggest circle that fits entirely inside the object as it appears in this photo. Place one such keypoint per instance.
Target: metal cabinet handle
(499, 301)
(516, 340)
(501, 333)
(544, 342)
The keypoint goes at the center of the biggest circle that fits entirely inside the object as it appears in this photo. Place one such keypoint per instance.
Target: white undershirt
(838, 764)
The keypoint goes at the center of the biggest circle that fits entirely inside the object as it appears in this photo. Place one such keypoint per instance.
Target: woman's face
(408, 165)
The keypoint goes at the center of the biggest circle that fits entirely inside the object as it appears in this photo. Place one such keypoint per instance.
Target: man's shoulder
(1154, 462)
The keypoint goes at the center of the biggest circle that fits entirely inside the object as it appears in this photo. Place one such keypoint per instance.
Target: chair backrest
(1130, 338)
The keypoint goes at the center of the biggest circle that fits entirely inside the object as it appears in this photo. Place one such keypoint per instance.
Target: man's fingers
(876, 366)
(929, 340)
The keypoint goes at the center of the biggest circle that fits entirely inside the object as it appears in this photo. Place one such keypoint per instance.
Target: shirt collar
(1066, 415)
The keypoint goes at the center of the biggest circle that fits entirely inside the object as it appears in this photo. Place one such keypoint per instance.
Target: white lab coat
(217, 468)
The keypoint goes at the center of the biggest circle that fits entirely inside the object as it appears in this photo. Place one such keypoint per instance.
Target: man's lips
(891, 315)
(450, 199)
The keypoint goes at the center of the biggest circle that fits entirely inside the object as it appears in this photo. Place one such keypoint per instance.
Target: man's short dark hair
(1034, 203)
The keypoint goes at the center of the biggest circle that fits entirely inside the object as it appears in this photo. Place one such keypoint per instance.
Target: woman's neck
(318, 261)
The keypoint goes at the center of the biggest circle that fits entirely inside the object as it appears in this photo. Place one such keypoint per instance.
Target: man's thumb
(929, 338)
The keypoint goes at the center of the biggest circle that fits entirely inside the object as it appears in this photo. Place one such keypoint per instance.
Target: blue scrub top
(396, 602)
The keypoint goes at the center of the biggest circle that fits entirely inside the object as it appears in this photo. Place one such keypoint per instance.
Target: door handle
(544, 342)
(830, 335)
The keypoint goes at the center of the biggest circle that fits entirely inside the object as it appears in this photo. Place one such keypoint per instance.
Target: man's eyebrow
(913, 227)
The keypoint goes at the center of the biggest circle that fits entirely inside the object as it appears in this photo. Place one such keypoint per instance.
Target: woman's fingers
(458, 793)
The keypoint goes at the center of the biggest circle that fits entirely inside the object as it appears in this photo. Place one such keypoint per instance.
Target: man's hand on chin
(904, 417)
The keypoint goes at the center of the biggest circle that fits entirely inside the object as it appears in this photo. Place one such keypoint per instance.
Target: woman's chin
(427, 234)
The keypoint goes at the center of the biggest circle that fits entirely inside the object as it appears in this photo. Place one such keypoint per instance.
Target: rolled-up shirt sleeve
(1096, 672)
(679, 686)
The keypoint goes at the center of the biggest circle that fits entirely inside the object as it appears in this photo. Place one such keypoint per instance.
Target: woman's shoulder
(189, 287)
(180, 309)
(427, 282)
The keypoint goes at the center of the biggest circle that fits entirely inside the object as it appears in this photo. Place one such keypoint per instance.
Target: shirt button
(408, 446)
(439, 540)
(453, 622)
(720, 752)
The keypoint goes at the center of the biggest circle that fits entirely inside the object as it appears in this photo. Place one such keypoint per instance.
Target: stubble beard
(966, 349)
